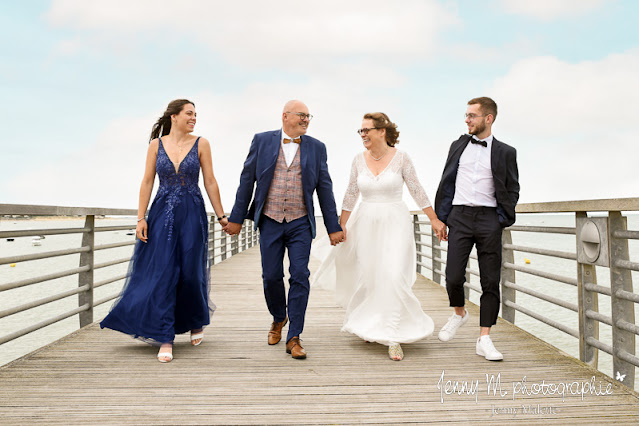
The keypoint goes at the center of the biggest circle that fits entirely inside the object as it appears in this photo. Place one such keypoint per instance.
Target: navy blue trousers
(296, 237)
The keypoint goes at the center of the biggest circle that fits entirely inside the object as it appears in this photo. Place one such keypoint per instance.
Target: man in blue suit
(476, 199)
(285, 167)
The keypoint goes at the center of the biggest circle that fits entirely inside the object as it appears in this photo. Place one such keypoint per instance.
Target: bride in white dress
(374, 270)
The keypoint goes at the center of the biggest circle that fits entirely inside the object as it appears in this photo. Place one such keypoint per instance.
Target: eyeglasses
(473, 116)
(301, 115)
(365, 130)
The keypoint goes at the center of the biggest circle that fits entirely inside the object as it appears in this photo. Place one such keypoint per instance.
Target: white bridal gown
(373, 272)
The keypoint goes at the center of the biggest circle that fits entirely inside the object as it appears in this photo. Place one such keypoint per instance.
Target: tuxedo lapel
(495, 154)
(457, 152)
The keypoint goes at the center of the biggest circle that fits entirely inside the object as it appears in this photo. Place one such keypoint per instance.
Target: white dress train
(373, 272)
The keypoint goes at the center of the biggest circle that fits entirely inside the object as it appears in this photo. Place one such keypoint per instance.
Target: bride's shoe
(197, 337)
(395, 352)
(164, 356)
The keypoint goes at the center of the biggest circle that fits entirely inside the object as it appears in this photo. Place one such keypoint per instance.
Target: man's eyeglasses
(365, 130)
(473, 116)
(301, 115)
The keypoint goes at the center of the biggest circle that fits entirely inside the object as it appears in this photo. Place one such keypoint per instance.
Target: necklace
(377, 158)
(180, 147)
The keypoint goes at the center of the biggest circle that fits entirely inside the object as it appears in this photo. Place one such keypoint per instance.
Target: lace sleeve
(412, 183)
(352, 192)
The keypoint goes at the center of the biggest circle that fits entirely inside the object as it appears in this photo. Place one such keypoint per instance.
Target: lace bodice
(188, 171)
(174, 185)
(387, 187)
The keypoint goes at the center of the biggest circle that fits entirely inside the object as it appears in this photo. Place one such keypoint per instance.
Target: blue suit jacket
(258, 174)
(503, 162)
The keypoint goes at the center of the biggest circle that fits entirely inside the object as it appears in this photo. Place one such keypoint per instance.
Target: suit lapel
(274, 150)
(303, 153)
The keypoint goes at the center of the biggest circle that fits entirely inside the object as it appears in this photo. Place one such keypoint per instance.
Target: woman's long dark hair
(163, 125)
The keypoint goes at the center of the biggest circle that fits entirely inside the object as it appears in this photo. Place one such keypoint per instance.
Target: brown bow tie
(296, 140)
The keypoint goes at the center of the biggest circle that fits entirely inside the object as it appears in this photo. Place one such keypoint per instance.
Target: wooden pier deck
(102, 377)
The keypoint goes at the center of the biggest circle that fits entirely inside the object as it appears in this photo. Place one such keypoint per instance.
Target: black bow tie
(482, 143)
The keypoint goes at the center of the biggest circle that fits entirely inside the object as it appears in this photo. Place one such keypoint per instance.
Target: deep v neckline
(177, 169)
(385, 168)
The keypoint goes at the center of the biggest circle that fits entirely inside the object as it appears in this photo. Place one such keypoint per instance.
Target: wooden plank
(100, 376)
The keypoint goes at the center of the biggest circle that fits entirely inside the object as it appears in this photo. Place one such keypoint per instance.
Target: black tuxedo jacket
(503, 162)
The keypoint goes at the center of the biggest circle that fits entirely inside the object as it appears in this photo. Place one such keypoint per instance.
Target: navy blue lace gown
(167, 288)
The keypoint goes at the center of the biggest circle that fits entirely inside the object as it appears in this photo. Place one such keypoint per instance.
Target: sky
(82, 83)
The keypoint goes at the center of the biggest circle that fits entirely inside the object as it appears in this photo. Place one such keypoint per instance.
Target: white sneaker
(454, 322)
(486, 349)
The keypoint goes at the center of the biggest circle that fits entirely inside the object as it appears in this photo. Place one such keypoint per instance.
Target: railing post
(86, 277)
(507, 275)
(244, 235)
(223, 247)
(235, 244)
(212, 240)
(436, 253)
(588, 301)
(418, 248)
(623, 311)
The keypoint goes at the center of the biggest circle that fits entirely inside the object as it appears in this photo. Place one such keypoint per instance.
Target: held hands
(232, 228)
(141, 231)
(439, 228)
(224, 221)
(337, 237)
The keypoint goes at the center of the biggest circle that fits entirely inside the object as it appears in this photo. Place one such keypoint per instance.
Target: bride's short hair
(382, 121)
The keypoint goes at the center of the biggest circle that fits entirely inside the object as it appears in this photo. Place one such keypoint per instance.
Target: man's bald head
(292, 122)
(293, 104)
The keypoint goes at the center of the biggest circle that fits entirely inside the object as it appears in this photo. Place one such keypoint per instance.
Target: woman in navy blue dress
(167, 289)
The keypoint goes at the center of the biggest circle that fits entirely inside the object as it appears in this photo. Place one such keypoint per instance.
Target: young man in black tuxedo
(476, 198)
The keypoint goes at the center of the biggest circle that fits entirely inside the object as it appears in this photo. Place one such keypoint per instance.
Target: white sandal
(197, 336)
(165, 354)
(168, 355)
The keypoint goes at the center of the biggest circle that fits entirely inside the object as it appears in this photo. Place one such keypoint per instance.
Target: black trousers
(478, 226)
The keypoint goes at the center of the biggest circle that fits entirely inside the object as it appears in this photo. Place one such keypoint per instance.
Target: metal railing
(599, 241)
(221, 247)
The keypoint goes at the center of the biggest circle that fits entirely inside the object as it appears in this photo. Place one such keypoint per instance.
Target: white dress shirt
(290, 149)
(475, 185)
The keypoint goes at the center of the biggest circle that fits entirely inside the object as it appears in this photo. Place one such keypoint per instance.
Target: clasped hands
(337, 237)
(439, 228)
(232, 228)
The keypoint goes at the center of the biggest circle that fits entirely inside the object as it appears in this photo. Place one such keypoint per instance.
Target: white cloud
(108, 173)
(347, 53)
(547, 10)
(265, 33)
(573, 125)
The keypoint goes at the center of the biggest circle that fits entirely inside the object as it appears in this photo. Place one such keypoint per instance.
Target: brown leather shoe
(294, 347)
(275, 335)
